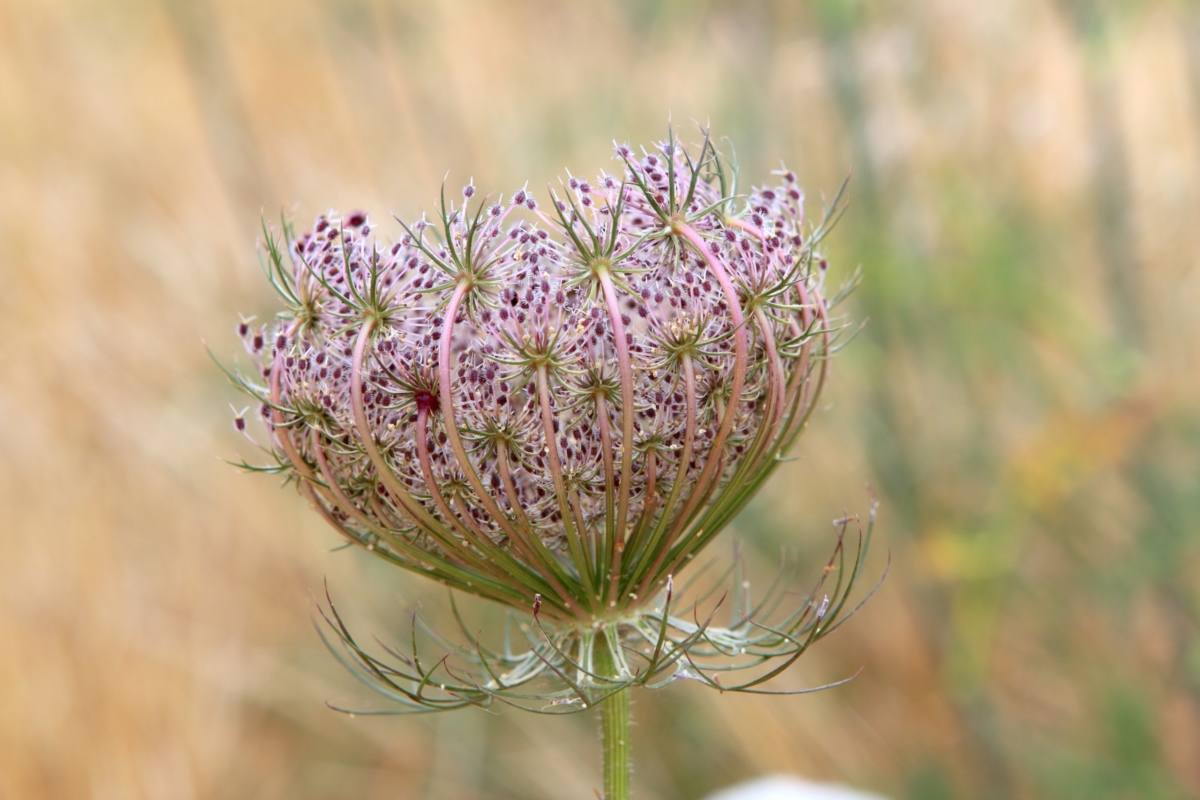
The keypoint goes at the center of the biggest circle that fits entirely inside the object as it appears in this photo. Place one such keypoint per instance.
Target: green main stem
(614, 728)
(614, 724)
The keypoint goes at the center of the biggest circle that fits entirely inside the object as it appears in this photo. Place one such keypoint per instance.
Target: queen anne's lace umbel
(566, 400)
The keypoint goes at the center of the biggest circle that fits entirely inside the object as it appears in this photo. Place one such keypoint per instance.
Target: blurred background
(1025, 396)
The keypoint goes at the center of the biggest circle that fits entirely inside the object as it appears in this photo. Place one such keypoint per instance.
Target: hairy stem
(614, 724)
(614, 728)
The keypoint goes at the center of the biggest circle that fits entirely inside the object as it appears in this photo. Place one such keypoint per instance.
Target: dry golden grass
(1031, 349)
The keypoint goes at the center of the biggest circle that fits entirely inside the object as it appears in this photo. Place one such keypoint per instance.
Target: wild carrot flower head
(553, 403)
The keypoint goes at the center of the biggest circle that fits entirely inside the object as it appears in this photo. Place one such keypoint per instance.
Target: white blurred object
(785, 787)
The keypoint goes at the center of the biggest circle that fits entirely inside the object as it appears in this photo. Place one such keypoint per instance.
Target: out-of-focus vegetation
(1024, 395)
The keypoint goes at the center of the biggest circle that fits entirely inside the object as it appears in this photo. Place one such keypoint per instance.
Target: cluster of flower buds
(557, 407)
(551, 405)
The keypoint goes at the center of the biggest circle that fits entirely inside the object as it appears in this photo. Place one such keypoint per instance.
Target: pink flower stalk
(568, 404)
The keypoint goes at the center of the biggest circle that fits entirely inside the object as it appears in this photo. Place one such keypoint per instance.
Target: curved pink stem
(464, 526)
(810, 307)
(806, 318)
(415, 510)
(707, 475)
(350, 509)
(746, 226)
(533, 545)
(777, 381)
(778, 387)
(799, 420)
(626, 370)
(606, 455)
(450, 423)
(282, 439)
(343, 502)
(510, 489)
(427, 561)
(574, 541)
(450, 427)
(685, 460)
(650, 503)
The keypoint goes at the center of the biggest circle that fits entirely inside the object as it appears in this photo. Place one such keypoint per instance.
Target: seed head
(569, 404)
